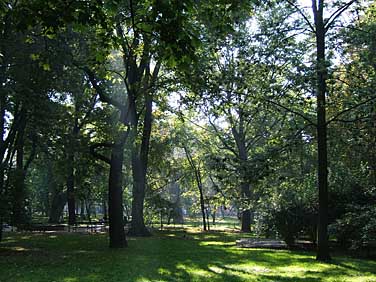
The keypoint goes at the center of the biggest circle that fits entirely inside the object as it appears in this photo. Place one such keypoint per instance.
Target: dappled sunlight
(19, 249)
(216, 269)
(142, 279)
(246, 268)
(215, 243)
(70, 279)
(171, 235)
(164, 271)
(360, 278)
(195, 271)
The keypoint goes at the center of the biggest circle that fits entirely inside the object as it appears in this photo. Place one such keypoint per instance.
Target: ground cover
(171, 255)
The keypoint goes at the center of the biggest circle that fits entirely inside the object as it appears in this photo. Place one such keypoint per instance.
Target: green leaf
(46, 67)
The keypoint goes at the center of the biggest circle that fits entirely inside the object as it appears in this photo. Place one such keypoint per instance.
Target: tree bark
(19, 215)
(104, 209)
(57, 207)
(197, 173)
(115, 198)
(1, 228)
(140, 159)
(239, 136)
(178, 211)
(139, 170)
(70, 177)
(246, 213)
(321, 74)
(138, 227)
(202, 204)
(4, 35)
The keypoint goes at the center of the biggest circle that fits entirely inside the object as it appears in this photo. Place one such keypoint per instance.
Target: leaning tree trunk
(115, 198)
(197, 173)
(321, 73)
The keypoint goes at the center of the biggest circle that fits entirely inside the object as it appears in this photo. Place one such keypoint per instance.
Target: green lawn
(167, 256)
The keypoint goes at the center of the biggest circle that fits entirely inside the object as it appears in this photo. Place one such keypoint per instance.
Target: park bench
(88, 226)
(261, 243)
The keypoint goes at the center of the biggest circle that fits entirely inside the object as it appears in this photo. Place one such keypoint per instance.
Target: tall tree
(320, 27)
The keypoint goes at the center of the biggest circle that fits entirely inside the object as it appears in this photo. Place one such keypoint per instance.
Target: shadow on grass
(168, 256)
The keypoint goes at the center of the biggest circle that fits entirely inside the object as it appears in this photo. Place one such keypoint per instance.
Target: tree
(321, 27)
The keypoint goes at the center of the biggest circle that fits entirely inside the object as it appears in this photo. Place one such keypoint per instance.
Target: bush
(289, 218)
(356, 229)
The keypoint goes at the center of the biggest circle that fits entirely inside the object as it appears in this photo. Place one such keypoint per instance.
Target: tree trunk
(321, 72)
(202, 204)
(246, 213)
(196, 170)
(70, 191)
(2, 188)
(115, 198)
(138, 227)
(239, 136)
(207, 219)
(178, 212)
(88, 210)
(82, 209)
(57, 207)
(70, 178)
(104, 209)
(139, 170)
(1, 228)
(4, 36)
(19, 193)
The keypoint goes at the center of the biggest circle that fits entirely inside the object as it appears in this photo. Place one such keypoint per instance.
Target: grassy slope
(168, 256)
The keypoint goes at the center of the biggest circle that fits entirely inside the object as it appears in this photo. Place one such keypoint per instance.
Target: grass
(167, 256)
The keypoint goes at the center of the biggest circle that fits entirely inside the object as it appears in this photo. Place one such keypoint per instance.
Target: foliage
(356, 229)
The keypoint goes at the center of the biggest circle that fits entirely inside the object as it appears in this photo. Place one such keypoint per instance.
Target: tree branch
(291, 111)
(303, 15)
(350, 109)
(98, 155)
(223, 141)
(333, 17)
(102, 96)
